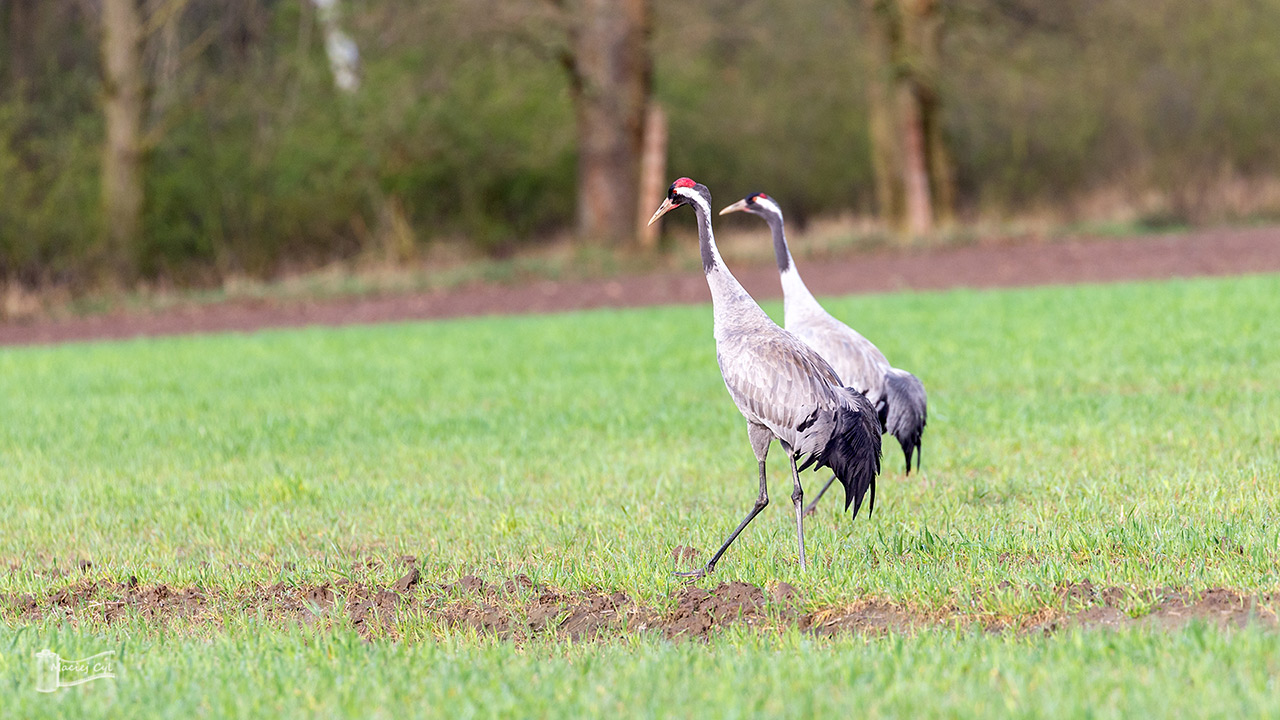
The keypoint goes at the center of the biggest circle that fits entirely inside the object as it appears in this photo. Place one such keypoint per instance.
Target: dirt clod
(469, 583)
(518, 583)
(683, 553)
(784, 592)
(698, 611)
(409, 580)
(320, 597)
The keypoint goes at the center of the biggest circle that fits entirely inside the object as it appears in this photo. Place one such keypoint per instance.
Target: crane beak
(666, 207)
(740, 206)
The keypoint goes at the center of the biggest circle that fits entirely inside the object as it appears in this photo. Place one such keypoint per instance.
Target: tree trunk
(915, 167)
(168, 54)
(344, 55)
(926, 28)
(653, 174)
(124, 102)
(886, 162)
(912, 168)
(942, 184)
(20, 28)
(610, 71)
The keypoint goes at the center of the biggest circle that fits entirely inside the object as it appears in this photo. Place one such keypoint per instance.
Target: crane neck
(780, 250)
(727, 294)
(796, 296)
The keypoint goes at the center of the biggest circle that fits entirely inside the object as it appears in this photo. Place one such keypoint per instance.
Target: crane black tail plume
(907, 412)
(853, 451)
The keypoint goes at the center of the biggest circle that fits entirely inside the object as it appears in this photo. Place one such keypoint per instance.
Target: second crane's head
(684, 192)
(756, 204)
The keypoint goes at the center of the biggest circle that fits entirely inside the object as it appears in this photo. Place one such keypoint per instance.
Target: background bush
(463, 129)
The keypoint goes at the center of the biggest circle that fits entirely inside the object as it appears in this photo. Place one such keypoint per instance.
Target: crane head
(757, 204)
(683, 192)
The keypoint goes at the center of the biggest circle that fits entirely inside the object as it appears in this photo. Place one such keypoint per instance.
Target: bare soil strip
(1197, 253)
(518, 609)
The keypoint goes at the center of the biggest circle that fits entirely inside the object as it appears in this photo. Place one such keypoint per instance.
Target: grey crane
(781, 386)
(898, 396)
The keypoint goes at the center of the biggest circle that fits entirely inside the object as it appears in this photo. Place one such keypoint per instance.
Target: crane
(783, 387)
(898, 396)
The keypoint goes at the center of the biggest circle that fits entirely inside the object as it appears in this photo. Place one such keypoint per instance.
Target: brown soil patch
(519, 609)
(1202, 252)
(1167, 608)
(870, 617)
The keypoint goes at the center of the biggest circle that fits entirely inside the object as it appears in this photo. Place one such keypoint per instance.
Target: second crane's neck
(797, 299)
(728, 297)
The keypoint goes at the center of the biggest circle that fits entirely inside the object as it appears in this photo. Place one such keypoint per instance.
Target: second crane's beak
(740, 206)
(666, 207)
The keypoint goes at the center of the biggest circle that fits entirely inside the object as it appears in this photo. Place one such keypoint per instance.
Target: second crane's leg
(797, 498)
(813, 505)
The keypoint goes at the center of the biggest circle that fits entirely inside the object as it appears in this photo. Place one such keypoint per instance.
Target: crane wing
(907, 412)
(856, 359)
(778, 381)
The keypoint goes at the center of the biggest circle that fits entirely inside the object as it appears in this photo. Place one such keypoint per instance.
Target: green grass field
(1124, 435)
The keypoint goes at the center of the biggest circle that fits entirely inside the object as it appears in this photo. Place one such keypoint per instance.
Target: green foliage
(764, 99)
(48, 197)
(1063, 97)
(461, 135)
(463, 125)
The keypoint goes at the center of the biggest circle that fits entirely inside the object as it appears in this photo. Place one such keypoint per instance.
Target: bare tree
(124, 103)
(19, 21)
(914, 186)
(610, 73)
(344, 55)
(603, 45)
(653, 173)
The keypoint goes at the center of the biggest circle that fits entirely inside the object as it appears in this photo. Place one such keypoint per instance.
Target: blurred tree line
(193, 140)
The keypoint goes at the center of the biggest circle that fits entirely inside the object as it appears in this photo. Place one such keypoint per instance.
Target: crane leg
(797, 499)
(814, 504)
(761, 501)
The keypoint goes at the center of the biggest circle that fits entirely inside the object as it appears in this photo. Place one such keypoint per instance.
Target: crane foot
(695, 574)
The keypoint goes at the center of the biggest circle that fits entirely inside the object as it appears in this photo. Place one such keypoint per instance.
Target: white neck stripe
(769, 205)
(694, 196)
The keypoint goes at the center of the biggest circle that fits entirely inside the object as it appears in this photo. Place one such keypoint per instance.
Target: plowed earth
(1197, 253)
(518, 609)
